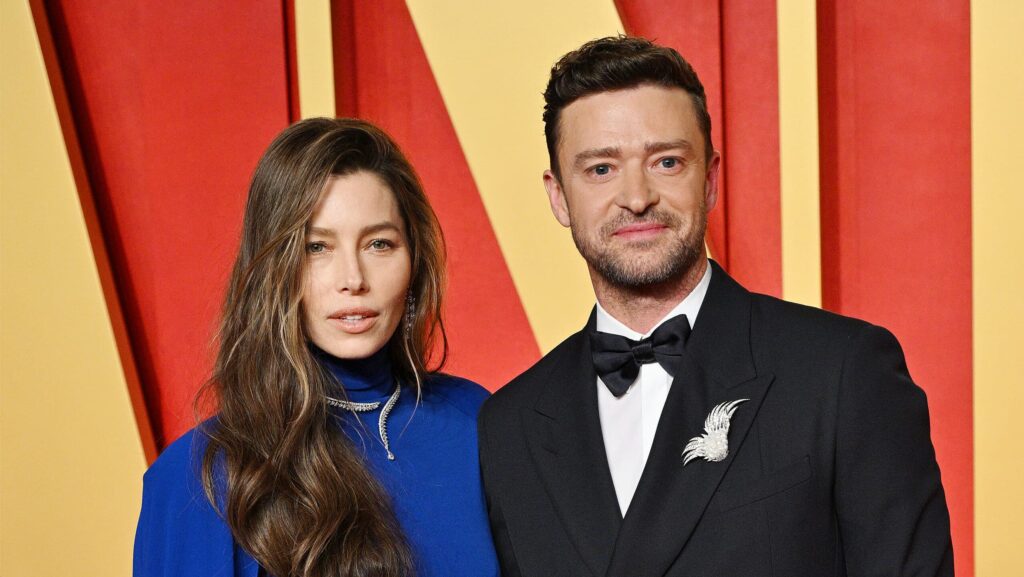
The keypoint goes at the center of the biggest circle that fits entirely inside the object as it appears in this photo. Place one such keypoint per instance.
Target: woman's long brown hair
(294, 492)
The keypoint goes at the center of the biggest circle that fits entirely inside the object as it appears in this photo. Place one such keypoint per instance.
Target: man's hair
(618, 63)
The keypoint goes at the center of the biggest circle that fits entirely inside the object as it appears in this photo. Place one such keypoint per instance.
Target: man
(694, 428)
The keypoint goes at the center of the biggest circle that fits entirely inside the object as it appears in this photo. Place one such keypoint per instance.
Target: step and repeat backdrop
(871, 162)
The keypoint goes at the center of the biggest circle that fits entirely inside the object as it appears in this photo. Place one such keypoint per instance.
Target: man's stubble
(622, 268)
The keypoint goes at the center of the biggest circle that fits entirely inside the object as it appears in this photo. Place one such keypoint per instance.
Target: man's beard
(622, 268)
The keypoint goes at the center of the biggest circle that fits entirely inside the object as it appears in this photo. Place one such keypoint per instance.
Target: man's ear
(711, 181)
(556, 197)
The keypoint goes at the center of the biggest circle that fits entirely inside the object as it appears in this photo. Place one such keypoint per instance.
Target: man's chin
(638, 246)
(637, 270)
(637, 277)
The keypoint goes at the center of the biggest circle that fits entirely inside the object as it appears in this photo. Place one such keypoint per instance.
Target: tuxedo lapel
(564, 437)
(670, 498)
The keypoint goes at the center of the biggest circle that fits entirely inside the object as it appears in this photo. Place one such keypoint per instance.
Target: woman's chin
(351, 347)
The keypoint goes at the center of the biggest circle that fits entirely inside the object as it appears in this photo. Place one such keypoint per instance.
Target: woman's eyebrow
(384, 225)
(369, 229)
(320, 231)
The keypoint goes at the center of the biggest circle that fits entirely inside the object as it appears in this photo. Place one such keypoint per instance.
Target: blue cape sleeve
(180, 534)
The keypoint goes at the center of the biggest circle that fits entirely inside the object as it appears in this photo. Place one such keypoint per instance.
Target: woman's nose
(349, 275)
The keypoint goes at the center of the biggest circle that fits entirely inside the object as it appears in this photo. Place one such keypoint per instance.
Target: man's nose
(637, 193)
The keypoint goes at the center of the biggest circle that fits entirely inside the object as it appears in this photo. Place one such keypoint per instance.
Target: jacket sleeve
(499, 531)
(180, 534)
(892, 510)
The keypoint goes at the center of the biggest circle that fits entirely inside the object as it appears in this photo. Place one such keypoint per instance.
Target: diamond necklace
(382, 421)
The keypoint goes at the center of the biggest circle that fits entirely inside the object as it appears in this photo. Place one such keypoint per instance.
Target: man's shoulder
(523, 390)
(770, 311)
(796, 317)
(806, 330)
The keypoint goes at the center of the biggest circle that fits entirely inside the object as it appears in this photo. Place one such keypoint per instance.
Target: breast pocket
(737, 495)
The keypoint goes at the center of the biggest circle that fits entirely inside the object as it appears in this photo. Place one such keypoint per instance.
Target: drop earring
(410, 315)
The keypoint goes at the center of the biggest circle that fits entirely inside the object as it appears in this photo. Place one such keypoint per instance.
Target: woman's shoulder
(464, 394)
(179, 530)
(175, 479)
(182, 459)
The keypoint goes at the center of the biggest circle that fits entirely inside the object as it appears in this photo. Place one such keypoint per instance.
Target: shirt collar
(689, 306)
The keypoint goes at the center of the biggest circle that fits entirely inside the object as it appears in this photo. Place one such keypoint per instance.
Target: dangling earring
(410, 319)
(410, 316)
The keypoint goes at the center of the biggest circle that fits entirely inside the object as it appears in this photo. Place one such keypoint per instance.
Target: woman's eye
(316, 247)
(380, 244)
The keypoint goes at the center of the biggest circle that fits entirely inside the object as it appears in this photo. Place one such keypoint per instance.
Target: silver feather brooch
(713, 445)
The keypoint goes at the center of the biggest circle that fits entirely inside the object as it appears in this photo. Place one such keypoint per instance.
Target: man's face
(635, 187)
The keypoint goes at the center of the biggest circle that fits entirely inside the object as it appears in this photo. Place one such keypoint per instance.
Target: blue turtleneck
(434, 481)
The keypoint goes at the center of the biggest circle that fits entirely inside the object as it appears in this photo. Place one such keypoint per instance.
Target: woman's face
(358, 267)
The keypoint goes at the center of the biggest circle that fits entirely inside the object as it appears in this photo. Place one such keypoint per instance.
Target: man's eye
(669, 162)
(316, 247)
(602, 169)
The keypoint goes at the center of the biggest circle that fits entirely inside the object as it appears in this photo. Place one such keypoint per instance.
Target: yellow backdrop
(71, 461)
(997, 94)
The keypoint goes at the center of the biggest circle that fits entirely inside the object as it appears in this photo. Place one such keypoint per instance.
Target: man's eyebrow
(655, 147)
(614, 151)
(607, 152)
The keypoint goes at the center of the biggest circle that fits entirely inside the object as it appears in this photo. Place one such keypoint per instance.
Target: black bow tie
(617, 359)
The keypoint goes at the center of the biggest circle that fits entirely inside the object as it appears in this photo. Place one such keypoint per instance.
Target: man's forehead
(634, 117)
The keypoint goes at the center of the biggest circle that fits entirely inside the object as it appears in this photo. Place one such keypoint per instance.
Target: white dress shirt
(628, 422)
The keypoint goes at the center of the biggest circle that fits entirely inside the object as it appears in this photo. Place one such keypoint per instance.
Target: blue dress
(434, 482)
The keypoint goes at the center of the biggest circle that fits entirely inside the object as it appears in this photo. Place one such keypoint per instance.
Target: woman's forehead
(356, 201)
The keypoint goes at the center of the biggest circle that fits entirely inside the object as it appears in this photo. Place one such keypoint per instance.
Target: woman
(335, 451)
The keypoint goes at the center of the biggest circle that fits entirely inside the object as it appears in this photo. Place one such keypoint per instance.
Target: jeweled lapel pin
(713, 445)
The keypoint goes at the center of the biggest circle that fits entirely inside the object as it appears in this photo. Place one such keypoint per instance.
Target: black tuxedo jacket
(830, 471)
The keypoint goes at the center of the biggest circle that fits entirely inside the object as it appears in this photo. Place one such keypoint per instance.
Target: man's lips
(354, 321)
(639, 231)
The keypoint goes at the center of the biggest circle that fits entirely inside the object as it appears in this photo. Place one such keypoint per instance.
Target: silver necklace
(382, 421)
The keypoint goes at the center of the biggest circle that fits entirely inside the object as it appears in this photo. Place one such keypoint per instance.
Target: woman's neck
(365, 379)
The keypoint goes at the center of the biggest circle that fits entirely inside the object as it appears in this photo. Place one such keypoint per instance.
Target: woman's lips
(354, 322)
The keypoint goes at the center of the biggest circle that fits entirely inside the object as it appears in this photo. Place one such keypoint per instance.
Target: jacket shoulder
(524, 390)
(790, 334)
(805, 322)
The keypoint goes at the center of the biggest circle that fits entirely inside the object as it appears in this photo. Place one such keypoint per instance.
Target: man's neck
(640, 309)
